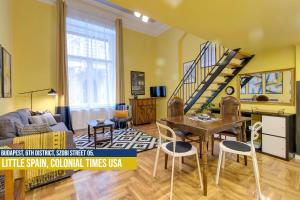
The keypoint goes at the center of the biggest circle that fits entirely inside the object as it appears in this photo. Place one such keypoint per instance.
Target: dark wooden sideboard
(143, 110)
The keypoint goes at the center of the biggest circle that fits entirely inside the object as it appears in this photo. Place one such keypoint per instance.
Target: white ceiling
(152, 28)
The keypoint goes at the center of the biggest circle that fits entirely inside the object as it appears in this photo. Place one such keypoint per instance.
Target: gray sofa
(8, 129)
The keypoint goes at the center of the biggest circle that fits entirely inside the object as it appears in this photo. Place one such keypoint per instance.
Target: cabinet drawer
(274, 145)
(147, 102)
(274, 125)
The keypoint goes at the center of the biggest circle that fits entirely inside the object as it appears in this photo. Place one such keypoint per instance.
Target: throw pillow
(50, 119)
(29, 129)
(121, 114)
(37, 119)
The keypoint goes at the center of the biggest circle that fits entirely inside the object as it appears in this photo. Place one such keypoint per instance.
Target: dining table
(206, 130)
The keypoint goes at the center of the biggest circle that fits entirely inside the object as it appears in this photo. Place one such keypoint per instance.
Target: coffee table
(94, 124)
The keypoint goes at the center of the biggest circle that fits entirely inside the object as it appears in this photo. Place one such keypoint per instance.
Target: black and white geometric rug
(122, 139)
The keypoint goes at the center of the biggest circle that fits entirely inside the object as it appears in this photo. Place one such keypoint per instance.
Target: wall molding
(297, 157)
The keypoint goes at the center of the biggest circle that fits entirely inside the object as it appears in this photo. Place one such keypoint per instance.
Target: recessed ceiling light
(137, 14)
(145, 18)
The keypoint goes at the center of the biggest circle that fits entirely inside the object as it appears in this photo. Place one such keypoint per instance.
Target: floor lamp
(51, 92)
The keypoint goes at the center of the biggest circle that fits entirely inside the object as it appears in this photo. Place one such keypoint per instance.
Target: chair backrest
(230, 107)
(254, 132)
(165, 136)
(123, 106)
(175, 107)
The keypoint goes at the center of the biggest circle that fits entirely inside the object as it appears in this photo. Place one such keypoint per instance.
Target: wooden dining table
(205, 130)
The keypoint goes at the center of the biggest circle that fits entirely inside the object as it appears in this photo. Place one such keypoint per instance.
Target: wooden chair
(241, 148)
(176, 109)
(175, 149)
(230, 108)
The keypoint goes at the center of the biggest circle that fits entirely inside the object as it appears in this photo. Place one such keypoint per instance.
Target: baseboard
(297, 157)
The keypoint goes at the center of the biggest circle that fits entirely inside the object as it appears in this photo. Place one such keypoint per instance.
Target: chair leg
(223, 160)
(219, 165)
(200, 147)
(182, 158)
(156, 162)
(245, 160)
(180, 163)
(199, 171)
(212, 144)
(172, 177)
(256, 173)
(166, 161)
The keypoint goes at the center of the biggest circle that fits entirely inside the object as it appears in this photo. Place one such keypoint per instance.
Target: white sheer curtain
(91, 47)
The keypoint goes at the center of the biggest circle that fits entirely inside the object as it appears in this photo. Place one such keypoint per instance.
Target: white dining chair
(241, 148)
(175, 149)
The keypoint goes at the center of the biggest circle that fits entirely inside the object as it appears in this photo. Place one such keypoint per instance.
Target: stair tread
(242, 55)
(225, 74)
(219, 82)
(212, 90)
(233, 65)
(201, 102)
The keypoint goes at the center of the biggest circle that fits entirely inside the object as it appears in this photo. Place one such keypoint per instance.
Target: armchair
(123, 122)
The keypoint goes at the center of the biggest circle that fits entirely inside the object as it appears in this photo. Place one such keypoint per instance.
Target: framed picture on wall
(137, 83)
(191, 78)
(255, 84)
(274, 82)
(6, 74)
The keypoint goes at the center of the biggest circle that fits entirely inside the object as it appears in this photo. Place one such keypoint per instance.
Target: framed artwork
(243, 85)
(192, 74)
(137, 83)
(274, 82)
(255, 84)
(6, 74)
(209, 57)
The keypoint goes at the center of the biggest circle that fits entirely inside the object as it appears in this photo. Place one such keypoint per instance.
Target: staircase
(213, 68)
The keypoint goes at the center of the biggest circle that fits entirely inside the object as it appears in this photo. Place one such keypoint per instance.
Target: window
(91, 64)
(209, 57)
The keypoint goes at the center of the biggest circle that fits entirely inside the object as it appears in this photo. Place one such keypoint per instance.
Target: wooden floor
(279, 180)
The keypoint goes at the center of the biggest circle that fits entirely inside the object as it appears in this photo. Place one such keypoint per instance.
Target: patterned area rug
(122, 139)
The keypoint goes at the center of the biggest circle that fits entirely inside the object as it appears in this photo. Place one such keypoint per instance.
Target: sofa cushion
(24, 114)
(7, 125)
(29, 129)
(50, 119)
(59, 127)
(37, 119)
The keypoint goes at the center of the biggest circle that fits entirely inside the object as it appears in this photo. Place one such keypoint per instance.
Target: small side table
(96, 125)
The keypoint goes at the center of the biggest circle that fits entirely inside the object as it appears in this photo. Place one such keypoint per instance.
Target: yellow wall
(139, 55)
(6, 105)
(34, 34)
(174, 47)
(263, 61)
(32, 27)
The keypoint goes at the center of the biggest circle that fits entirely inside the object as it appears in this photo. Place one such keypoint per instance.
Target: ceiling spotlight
(145, 18)
(137, 14)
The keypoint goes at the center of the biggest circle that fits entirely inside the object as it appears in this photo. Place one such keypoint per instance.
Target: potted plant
(206, 109)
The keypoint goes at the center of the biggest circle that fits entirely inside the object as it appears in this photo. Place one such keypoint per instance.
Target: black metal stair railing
(198, 74)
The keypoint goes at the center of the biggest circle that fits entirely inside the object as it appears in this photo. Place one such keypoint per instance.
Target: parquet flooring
(280, 180)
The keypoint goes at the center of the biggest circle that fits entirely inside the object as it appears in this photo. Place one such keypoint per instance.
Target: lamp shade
(52, 92)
